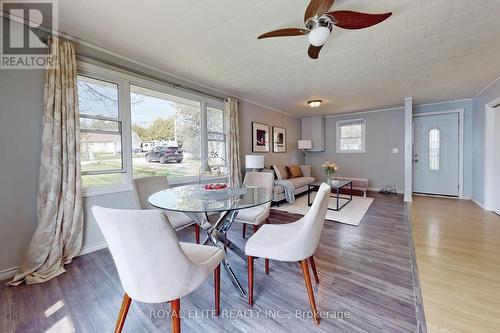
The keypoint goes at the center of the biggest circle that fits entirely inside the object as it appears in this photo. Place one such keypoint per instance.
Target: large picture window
(134, 127)
(165, 134)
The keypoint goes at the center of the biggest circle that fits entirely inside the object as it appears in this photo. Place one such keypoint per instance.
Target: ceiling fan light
(319, 36)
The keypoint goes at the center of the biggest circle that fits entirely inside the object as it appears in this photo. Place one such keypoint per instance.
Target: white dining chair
(144, 187)
(153, 266)
(291, 242)
(255, 216)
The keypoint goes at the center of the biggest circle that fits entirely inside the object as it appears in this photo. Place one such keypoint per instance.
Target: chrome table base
(216, 234)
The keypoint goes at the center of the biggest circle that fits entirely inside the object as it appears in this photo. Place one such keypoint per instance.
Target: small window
(351, 136)
(434, 149)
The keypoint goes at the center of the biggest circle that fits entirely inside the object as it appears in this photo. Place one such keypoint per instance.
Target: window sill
(174, 182)
(350, 151)
(181, 181)
(90, 192)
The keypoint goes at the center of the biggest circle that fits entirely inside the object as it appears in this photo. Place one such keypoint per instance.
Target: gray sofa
(300, 183)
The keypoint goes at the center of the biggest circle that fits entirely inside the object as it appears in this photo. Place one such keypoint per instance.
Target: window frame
(223, 133)
(125, 80)
(339, 125)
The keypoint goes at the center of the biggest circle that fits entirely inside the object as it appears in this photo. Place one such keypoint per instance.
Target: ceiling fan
(319, 23)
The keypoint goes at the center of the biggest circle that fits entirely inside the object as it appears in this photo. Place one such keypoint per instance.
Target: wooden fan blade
(284, 33)
(314, 51)
(347, 19)
(317, 7)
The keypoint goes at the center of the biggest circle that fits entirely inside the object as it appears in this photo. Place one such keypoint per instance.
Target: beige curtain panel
(58, 237)
(233, 139)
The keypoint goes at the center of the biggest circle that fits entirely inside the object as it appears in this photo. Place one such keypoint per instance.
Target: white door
(436, 154)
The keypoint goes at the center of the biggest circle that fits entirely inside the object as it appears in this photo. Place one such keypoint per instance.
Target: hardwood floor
(367, 271)
(458, 247)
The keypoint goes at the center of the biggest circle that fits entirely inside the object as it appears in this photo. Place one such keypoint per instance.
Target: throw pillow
(294, 170)
(281, 172)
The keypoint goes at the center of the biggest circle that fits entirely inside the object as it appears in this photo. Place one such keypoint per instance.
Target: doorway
(492, 157)
(437, 153)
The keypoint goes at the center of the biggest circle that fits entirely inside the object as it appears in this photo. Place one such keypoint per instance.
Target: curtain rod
(153, 77)
(44, 32)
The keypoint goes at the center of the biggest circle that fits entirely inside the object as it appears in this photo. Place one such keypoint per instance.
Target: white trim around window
(124, 80)
(362, 137)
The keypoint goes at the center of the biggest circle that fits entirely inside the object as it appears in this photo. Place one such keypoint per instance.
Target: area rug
(352, 213)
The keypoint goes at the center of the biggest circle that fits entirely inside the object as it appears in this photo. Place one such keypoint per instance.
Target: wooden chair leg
(313, 267)
(255, 228)
(266, 264)
(175, 305)
(250, 280)
(217, 289)
(244, 229)
(310, 292)
(197, 233)
(123, 313)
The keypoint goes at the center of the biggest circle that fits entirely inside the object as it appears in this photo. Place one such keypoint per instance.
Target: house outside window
(100, 133)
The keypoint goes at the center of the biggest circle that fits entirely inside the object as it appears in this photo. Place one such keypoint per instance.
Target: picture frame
(260, 138)
(279, 139)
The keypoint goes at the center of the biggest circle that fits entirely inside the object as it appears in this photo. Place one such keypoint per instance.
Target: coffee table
(335, 189)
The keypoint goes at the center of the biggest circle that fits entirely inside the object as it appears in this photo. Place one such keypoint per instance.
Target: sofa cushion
(281, 172)
(302, 181)
(294, 171)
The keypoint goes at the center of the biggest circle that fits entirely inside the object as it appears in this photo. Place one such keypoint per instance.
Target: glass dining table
(199, 205)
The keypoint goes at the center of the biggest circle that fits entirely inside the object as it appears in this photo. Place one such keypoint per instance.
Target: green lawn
(141, 168)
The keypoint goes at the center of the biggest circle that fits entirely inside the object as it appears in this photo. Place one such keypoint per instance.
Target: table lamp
(254, 162)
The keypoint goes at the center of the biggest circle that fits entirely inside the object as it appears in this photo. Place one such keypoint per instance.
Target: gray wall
(248, 113)
(21, 103)
(478, 127)
(384, 131)
(468, 136)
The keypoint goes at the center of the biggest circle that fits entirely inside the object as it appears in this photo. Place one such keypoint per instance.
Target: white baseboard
(480, 204)
(7, 273)
(93, 247)
(10, 272)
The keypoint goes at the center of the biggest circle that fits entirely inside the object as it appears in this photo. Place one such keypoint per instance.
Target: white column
(408, 149)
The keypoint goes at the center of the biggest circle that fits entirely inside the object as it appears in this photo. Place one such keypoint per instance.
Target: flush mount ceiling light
(314, 104)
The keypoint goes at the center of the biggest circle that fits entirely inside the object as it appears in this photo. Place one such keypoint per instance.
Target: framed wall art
(279, 139)
(260, 138)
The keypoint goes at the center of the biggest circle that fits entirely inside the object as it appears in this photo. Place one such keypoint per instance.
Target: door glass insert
(434, 149)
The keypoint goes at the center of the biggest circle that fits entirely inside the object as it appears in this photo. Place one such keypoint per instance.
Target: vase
(330, 179)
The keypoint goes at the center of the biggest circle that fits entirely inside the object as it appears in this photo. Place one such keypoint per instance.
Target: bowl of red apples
(216, 187)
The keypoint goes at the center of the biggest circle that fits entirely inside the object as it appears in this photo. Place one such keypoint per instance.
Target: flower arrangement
(330, 168)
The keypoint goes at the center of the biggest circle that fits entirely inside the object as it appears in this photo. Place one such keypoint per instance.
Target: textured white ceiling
(433, 50)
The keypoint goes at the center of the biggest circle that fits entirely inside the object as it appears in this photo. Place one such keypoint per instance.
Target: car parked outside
(165, 154)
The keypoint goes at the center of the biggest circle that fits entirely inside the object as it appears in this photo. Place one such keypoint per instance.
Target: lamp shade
(254, 161)
(305, 144)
